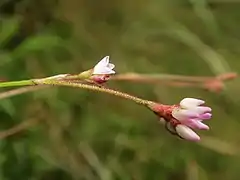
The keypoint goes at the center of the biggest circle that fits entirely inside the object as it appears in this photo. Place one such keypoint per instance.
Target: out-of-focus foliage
(89, 136)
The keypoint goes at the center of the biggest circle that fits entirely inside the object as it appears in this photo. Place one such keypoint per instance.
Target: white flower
(103, 67)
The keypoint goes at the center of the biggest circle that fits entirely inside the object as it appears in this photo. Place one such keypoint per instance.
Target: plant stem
(161, 77)
(18, 128)
(96, 88)
(17, 83)
(20, 90)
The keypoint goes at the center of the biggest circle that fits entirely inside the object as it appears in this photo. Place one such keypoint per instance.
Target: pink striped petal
(205, 116)
(182, 114)
(197, 125)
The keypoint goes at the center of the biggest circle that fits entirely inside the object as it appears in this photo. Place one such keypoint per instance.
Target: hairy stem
(96, 88)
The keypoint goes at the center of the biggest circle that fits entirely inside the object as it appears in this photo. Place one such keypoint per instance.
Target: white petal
(111, 66)
(103, 62)
(111, 72)
(187, 133)
(104, 67)
(191, 102)
(101, 70)
(183, 114)
(203, 109)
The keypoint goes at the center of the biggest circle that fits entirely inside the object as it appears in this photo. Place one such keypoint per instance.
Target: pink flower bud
(100, 79)
(184, 117)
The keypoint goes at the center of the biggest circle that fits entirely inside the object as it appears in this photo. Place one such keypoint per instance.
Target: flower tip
(105, 59)
(201, 126)
(112, 72)
(205, 116)
(187, 133)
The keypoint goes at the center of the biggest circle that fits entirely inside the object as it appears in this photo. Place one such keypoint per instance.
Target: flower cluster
(181, 119)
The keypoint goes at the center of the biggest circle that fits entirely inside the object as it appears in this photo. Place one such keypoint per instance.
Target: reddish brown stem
(214, 83)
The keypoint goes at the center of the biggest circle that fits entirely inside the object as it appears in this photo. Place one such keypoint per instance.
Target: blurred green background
(83, 135)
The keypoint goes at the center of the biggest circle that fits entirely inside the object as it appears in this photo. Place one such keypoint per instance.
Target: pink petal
(99, 79)
(197, 125)
(187, 133)
(205, 116)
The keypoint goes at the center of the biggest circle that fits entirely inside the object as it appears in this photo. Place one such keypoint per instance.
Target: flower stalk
(94, 88)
